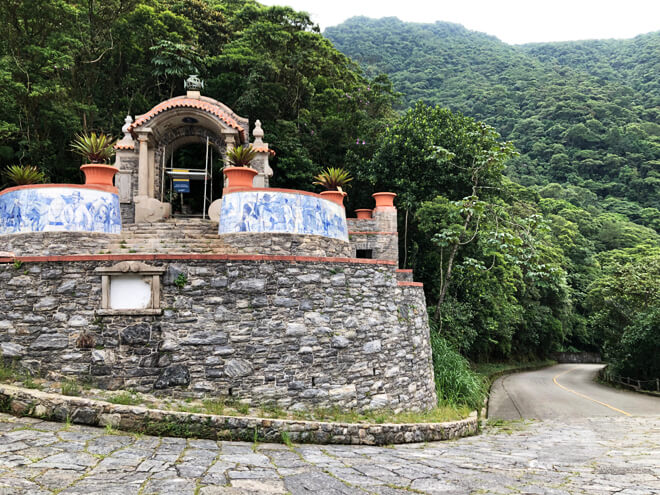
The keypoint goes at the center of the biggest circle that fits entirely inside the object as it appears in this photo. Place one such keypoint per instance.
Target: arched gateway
(144, 153)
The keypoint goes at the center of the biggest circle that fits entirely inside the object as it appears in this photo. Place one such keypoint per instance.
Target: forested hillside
(545, 243)
(583, 113)
(559, 251)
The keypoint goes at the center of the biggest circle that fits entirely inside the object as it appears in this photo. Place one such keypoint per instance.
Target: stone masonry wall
(299, 334)
(379, 234)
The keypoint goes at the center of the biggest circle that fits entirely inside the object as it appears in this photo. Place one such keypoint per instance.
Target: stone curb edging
(34, 403)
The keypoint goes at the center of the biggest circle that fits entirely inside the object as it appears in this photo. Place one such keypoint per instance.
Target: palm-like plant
(22, 175)
(241, 156)
(94, 148)
(333, 178)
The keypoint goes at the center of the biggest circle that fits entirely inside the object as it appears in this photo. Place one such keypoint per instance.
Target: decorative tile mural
(52, 209)
(266, 211)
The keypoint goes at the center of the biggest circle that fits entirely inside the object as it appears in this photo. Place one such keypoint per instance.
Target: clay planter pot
(98, 174)
(363, 213)
(384, 199)
(334, 196)
(239, 176)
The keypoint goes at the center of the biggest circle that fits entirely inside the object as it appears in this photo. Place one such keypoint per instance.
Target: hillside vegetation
(531, 216)
(584, 119)
(583, 113)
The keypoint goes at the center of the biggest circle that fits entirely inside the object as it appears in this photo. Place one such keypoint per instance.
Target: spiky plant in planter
(238, 171)
(241, 156)
(94, 148)
(22, 175)
(333, 179)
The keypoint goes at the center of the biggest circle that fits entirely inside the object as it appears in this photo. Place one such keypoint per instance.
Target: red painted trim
(373, 233)
(410, 284)
(110, 189)
(192, 257)
(404, 270)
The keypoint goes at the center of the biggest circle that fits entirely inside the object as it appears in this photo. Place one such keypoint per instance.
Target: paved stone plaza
(586, 456)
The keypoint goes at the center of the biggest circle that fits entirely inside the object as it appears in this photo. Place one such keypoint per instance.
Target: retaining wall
(292, 331)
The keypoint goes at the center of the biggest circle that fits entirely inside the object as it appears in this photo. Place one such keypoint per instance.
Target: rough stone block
(47, 341)
(136, 334)
(238, 367)
(172, 376)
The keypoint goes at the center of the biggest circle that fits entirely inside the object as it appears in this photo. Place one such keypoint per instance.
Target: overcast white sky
(512, 21)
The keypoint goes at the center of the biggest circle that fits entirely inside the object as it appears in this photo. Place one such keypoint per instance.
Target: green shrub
(455, 382)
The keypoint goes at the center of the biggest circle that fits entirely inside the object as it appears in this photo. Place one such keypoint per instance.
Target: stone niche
(130, 288)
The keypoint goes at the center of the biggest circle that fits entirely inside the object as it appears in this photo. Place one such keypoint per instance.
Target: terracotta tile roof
(263, 149)
(188, 103)
(124, 146)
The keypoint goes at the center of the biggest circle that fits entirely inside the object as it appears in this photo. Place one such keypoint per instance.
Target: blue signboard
(181, 185)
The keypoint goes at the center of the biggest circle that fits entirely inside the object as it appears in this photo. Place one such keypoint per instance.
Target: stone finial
(126, 142)
(127, 123)
(258, 133)
(193, 83)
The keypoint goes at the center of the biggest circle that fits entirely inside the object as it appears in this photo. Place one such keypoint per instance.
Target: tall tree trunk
(450, 263)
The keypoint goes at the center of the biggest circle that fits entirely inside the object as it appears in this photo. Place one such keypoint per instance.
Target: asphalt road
(564, 391)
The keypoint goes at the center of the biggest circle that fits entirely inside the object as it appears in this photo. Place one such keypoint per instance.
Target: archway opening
(192, 178)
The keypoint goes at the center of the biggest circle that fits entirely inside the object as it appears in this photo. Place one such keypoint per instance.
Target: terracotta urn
(239, 177)
(384, 199)
(363, 213)
(98, 174)
(334, 196)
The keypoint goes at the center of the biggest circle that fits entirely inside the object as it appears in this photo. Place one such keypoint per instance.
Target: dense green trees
(553, 247)
(581, 113)
(586, 184)
(71, 65)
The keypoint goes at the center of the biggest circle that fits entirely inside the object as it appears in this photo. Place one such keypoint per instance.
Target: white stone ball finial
(258, 133)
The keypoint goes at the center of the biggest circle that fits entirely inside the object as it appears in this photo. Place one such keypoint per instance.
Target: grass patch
(286, 439)
(70, 387)
(126, 398)
(190, 408)
(214, 406)
(8, 371)
(28, 382)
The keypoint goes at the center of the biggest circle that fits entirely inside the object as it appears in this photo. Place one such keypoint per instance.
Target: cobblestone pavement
(587, 456)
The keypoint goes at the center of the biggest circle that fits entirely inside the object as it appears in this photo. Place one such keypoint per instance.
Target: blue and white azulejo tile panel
(52, 209)
(291, 213)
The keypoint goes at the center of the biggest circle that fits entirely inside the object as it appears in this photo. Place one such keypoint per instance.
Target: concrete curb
(27, 402)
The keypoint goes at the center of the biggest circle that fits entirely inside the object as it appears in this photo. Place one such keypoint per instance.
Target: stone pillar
(151, 184)
(260, 162)
(143, 164)
(230, 142)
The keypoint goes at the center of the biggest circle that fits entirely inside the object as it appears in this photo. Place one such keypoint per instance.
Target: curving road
(564, 391)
